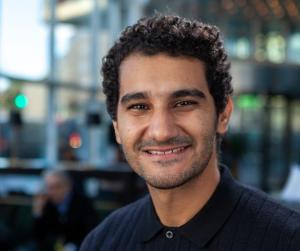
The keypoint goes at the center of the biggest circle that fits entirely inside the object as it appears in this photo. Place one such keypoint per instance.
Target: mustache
(178, 140)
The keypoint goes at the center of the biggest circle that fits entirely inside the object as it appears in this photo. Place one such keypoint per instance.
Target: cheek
(127, 134)
(199, 122)
(130, 130)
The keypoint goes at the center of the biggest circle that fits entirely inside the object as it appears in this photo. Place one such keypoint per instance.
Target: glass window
(73, 54)
(294, 48)
(243, 49)
(275, 47)
(260, 52)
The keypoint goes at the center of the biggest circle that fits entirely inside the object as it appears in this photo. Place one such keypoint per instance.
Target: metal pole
(51, 149)
(95, 139)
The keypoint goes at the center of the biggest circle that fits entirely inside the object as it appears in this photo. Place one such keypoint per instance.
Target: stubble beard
(175, 180)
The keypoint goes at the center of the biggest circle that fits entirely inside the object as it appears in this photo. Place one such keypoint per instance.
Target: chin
(170, 182)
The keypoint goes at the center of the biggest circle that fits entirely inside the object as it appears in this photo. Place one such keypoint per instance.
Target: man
(168, 92)
(62, 216)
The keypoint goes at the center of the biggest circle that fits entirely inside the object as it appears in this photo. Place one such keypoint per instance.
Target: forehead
(54, 180)
(161, 74)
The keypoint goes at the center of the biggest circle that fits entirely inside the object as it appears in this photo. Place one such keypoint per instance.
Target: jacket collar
(206, 223)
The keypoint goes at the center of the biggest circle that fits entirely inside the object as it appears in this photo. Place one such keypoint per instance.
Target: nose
(162, 126)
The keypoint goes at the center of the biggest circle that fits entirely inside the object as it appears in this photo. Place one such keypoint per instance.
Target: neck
(177, 206)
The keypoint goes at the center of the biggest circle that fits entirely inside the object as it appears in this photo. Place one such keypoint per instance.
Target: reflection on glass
(260, 53)
(275, 46)
(294, 48)
(243, 48)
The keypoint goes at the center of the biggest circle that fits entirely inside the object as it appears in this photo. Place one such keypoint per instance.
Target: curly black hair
(174, 36)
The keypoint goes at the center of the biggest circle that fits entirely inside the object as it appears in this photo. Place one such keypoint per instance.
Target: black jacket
(235, 218)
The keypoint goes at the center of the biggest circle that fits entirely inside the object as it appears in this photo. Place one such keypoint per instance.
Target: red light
(75, 140)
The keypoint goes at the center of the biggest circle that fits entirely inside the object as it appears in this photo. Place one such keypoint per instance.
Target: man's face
(166, 118)
(57, 188)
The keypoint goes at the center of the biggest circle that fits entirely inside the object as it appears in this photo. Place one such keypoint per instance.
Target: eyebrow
(133, 96)
(177, 94)
(188, 93)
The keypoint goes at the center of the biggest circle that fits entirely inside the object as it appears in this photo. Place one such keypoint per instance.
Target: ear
(117, 135)
(224, 117)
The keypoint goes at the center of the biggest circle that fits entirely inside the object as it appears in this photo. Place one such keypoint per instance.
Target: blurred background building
(52, 111)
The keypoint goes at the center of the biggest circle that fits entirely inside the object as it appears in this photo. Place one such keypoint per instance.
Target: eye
(185, 103)
(138, 107)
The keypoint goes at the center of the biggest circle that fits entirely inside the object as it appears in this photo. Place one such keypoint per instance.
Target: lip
(163, 148)
(166, 152)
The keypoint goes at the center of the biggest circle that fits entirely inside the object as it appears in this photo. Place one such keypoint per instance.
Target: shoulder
(267, 221)
(117, 224)
(256, 201)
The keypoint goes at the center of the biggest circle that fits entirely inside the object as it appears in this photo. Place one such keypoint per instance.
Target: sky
(23, 39)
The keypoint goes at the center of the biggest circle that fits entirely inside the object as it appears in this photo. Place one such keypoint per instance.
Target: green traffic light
(21, 101)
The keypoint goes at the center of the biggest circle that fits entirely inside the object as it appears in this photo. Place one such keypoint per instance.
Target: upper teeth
(175, 150)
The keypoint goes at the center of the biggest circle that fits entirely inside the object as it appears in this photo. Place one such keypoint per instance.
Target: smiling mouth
(158, 152)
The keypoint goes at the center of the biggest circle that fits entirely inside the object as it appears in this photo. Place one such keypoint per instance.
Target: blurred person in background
(62, 215)
(168, 91)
